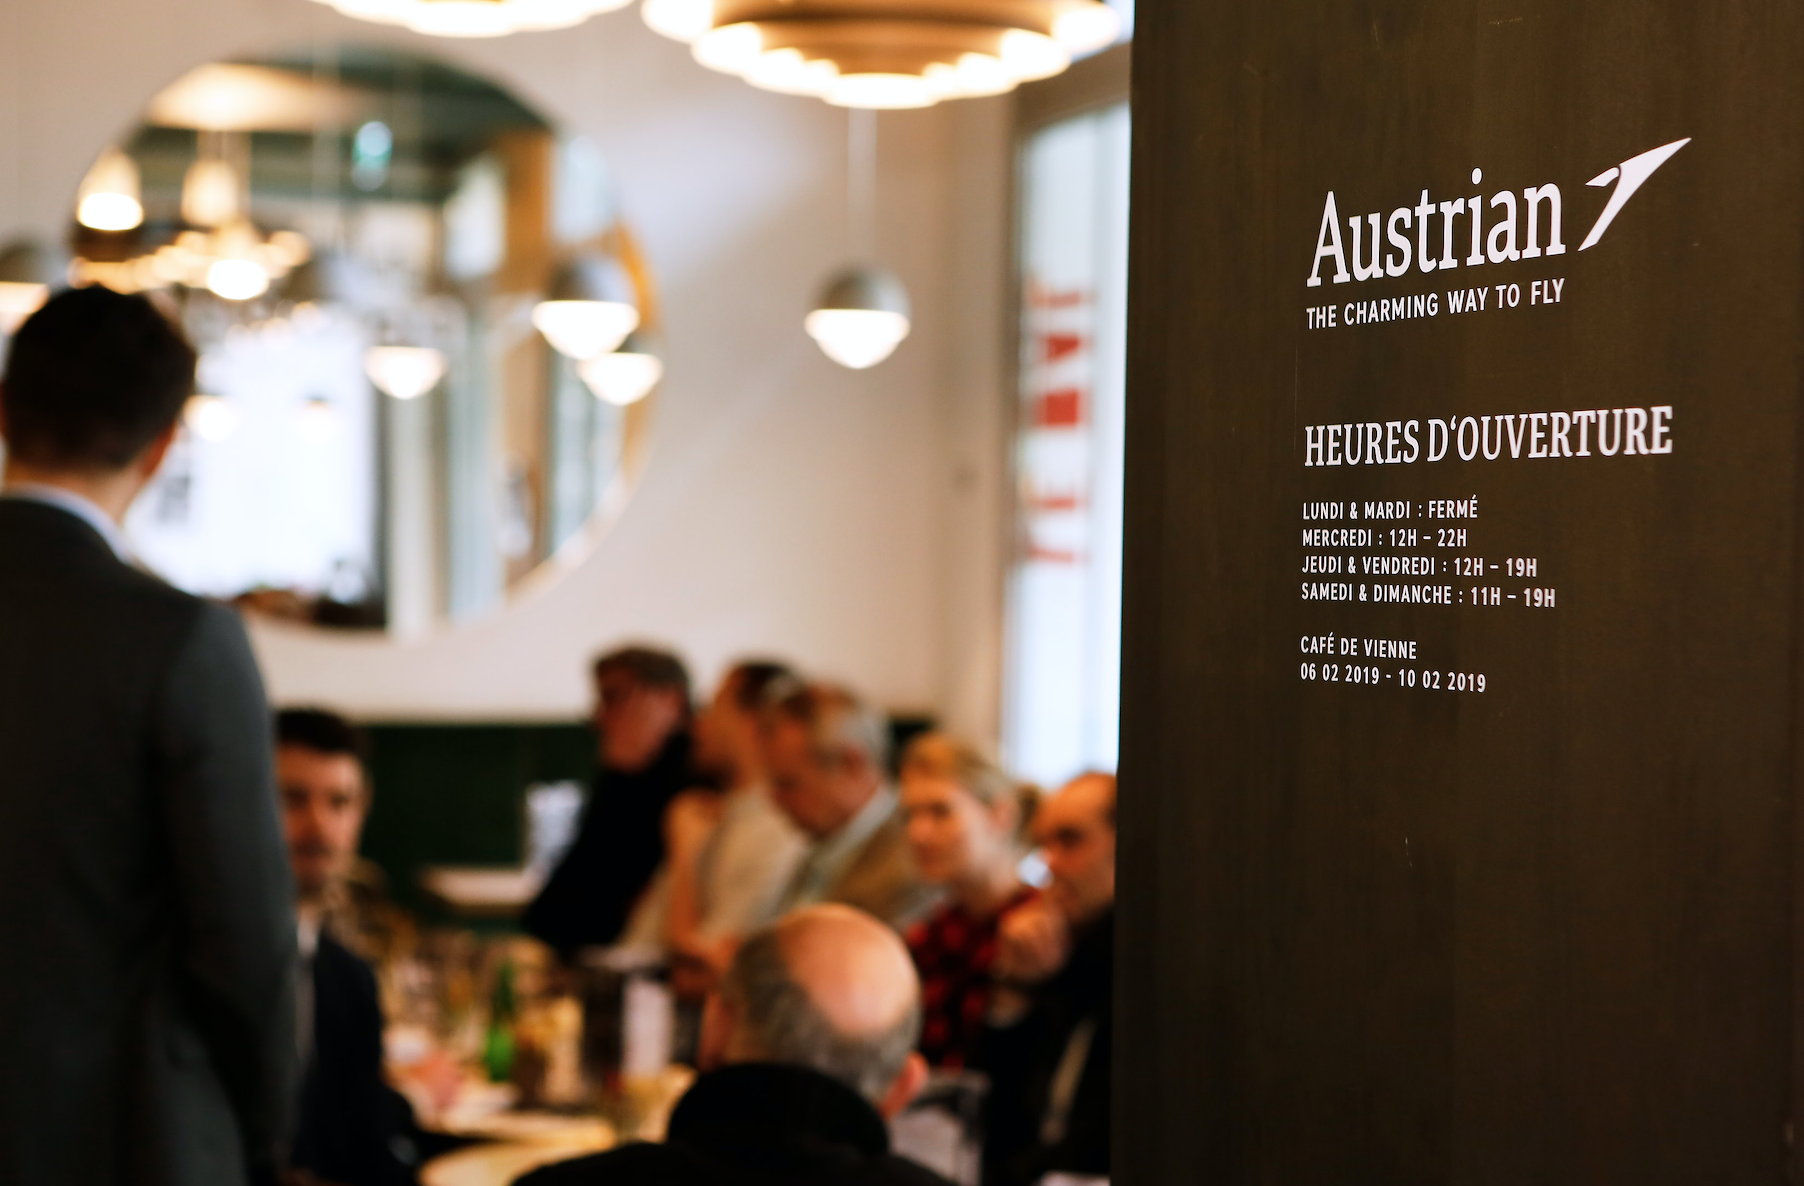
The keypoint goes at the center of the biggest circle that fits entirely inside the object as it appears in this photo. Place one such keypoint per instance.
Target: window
(1062, 696)
(274, 485)
(1126, 9)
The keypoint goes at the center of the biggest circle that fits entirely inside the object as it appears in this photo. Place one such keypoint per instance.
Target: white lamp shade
(732, 49)
(210, 417)
(862, 316)
(681, 20)
(404, 372)
(240, 272)
(109, 196)
(1087, 28)
(476, 18)
(237, 279)
(857, 338)
(887, 54)
(109, 212)
(884, 92)
(585, 329)
(1029, 56)
(622, 378)
(787, 72)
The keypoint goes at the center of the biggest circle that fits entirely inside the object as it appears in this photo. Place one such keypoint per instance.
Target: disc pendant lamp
(887, 53)
(590, 309)
(475, 18)
(625, 376)
(862, 314)
(404, 372)
(402, 363)
(861, 317)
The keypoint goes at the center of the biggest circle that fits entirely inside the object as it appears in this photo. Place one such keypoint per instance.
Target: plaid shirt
(953, 951)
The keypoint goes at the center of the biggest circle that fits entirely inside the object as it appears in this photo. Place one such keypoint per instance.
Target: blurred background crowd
(707, 820)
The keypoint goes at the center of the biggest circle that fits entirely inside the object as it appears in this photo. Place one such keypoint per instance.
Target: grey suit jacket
(881, 879)
(146, 927)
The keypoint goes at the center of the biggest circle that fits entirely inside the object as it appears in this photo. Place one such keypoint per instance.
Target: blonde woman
(964, 817)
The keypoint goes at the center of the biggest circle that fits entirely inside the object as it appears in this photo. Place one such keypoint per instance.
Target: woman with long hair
(964, 818)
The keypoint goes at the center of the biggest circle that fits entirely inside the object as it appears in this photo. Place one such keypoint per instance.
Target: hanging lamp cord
(861, 188)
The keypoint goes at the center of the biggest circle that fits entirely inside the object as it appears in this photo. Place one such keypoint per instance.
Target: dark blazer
(1023, 1063)
(146, 926)
(620, 844)
(755, 1125)
(354, 1128)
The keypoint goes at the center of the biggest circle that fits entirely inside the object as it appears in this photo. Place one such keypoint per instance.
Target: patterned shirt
(953, 951)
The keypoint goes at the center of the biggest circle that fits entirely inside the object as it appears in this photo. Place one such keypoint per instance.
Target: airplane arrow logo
(1628, 177)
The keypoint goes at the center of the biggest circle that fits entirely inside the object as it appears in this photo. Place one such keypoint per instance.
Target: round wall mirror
(428, 346)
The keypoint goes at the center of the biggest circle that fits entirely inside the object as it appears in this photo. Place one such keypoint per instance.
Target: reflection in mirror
(426, 340)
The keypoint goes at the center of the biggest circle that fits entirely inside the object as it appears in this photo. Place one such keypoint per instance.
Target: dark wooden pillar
(1379, 925)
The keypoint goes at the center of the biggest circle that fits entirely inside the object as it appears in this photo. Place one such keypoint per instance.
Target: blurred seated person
(964, 822)
(1049, 1045)
(642, 716)
(826, 752)
(353, 1128)
(731, 856)
(807, 1051)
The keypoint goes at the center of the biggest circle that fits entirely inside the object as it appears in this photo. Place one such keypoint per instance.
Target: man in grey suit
(826, 752)
(147, 936)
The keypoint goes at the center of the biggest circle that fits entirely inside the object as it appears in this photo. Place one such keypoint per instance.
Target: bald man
(1050, 1038)
(808, 1051)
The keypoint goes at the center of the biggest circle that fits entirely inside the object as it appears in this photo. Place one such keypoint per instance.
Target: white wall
(846, 521)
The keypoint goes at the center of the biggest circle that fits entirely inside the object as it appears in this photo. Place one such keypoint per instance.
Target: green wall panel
(451, 794)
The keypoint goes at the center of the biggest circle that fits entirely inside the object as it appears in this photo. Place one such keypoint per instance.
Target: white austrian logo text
(1498, 231)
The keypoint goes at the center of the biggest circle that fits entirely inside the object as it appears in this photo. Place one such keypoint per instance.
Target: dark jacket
(590, 894)
(755, 1125)
(146, 927)
(354, 1128)
(1023, 1063)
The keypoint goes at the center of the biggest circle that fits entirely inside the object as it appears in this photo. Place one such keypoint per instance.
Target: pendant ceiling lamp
(110, 198)
(404, 372)
(863, 312)
(591, 308)
(212, 418)
(475, 18)
(861, 317)
(624, 376)
(402, 364)
(887, 53)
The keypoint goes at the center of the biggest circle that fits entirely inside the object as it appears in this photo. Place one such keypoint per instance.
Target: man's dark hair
(91, 379)
(758, 683)
(322, 731)
(648, 667)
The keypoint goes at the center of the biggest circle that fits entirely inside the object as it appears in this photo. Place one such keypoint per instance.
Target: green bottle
(498, 1049)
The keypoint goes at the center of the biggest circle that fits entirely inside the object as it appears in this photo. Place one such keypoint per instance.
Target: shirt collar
(307, 928)
(74, 504)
